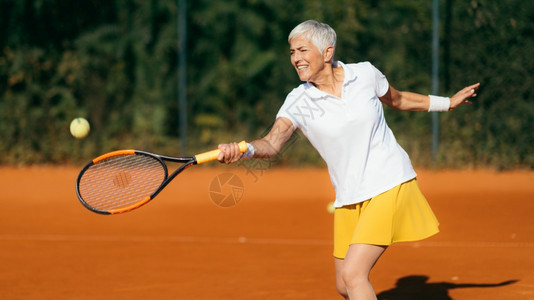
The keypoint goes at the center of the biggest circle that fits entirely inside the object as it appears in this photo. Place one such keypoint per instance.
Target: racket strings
(121, 181)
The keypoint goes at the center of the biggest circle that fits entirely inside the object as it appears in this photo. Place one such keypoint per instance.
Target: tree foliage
(115, 63)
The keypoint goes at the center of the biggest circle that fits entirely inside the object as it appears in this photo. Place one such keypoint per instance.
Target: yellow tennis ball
(79, 128)
(330, 207)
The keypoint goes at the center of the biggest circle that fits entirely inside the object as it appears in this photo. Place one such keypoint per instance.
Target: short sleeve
(381, 82)
(285, 110)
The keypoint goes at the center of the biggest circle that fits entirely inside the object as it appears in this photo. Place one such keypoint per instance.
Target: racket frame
(186, 163)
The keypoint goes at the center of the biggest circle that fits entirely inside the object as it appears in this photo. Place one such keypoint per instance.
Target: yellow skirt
(399, 215)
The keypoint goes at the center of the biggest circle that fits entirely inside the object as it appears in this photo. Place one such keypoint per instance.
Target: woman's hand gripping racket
(124, 180)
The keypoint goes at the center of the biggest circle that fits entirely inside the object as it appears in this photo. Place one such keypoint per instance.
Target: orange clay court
(276, 243)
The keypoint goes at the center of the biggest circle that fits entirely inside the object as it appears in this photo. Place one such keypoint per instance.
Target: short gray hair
(320, 34)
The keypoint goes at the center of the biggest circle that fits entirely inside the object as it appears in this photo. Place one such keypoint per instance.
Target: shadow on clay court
(418, 287)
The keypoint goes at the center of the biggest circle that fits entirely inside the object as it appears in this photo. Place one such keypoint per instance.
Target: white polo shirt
(351, 134)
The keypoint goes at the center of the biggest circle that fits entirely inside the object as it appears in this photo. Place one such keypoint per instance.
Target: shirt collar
(315, 93)
(349, 73)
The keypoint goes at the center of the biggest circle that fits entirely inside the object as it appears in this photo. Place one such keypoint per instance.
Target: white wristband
(250, 151)
(438, 103)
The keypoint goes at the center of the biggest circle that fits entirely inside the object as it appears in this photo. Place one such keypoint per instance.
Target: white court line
(172, 239)
(473, 244)
(245, 240)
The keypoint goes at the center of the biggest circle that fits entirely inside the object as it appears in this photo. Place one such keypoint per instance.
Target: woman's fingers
(229, 153)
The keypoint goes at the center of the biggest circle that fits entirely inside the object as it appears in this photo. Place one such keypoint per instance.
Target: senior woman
(339, 109)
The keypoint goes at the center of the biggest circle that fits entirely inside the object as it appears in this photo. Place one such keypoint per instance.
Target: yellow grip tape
(213, 154)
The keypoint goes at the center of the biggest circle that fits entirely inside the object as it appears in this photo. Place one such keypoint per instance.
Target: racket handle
(213, 154)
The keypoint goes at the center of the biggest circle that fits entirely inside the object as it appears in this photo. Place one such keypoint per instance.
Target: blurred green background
(115, 62)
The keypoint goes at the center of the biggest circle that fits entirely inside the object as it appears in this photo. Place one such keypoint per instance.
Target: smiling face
(306, 58)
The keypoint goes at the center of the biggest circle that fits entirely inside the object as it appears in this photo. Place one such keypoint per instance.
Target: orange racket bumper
(114, 153)
(128, 208)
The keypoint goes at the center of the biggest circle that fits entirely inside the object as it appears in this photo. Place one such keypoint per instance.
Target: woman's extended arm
(265, 147)
(416, 102)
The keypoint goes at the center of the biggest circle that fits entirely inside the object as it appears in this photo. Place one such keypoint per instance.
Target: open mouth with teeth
(302, 67)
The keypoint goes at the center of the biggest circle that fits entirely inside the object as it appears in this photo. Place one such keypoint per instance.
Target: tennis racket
(121, 181)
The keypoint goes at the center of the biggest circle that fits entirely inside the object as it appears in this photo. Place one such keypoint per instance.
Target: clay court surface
(276, 243)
